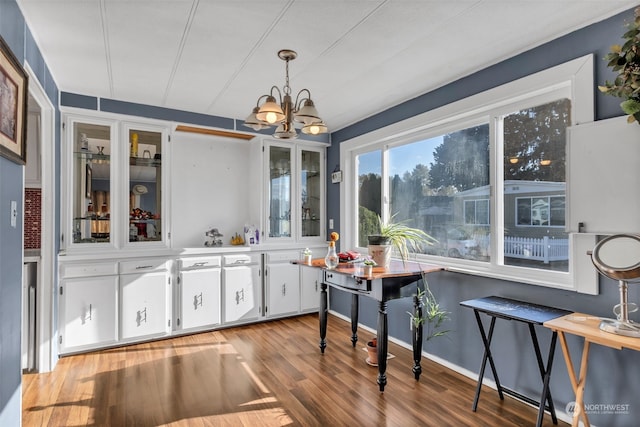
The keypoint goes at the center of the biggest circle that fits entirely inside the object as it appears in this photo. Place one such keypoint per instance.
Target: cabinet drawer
(143, 265)
(199, 262)
(90, 269)
(241, 259)
(285, 256)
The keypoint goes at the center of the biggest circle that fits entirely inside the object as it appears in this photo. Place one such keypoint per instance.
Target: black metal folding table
(531, 314)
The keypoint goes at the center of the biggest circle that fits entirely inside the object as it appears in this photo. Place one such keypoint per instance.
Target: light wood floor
(268, 374)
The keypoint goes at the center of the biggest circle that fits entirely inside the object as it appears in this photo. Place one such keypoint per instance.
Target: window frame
(574, 79)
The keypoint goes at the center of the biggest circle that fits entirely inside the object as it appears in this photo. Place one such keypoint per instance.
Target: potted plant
(396, 235)
(372, 350)
(368, 266)
(306, 256)
(625, 60)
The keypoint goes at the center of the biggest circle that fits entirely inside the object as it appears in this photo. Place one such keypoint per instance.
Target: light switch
(331, 224)
(14, 213)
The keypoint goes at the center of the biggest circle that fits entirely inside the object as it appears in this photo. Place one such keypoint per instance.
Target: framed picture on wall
(13, 106)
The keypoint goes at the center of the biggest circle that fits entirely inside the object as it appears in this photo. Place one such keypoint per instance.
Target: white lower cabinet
(310, 279)
(144, 296)
(242, 296)
(88, 312)
(282, 284)
(199, 292)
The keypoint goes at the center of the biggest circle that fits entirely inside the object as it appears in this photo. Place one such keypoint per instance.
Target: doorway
(43, 175)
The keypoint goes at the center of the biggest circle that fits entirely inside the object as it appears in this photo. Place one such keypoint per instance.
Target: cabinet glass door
(279, 191)
(145, 185)
(311, 191)
(91, 189)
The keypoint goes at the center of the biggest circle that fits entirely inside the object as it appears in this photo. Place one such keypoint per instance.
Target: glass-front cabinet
(294, 202)
(91, 183)
(114, 184)
(144, 184)
(311, 192)
(279, 215)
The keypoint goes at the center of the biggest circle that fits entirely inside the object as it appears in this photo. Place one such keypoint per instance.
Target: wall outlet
(331, 224)
(14, 213)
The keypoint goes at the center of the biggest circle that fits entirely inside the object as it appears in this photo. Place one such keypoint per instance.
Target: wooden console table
(398, 281)
(525, 312)
(587, 327)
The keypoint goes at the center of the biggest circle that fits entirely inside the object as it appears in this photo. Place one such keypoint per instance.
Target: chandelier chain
(287, 88)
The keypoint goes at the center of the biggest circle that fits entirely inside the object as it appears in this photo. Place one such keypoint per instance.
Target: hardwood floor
(268, 374)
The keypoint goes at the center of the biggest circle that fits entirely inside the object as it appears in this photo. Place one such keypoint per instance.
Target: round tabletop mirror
(618, 256)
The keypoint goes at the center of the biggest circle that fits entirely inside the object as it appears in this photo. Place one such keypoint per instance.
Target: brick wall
(32, 217)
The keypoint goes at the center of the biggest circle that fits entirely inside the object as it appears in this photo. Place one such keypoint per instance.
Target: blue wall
(613, 375)
(17, 35)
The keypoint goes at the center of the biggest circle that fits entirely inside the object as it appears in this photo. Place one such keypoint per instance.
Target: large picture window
(485, 177)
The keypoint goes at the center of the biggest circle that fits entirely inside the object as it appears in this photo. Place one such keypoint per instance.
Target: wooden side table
(587, 327)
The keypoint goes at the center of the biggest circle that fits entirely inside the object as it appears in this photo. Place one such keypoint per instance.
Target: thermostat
(336, 177)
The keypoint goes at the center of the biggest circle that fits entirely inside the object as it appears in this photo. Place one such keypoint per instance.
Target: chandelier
(282, 112)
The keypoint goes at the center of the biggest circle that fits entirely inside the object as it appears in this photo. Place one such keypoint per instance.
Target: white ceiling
(357, 57)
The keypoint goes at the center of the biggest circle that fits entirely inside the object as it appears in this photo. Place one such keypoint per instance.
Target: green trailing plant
(625, 60)
(402, 237)
(433, 316)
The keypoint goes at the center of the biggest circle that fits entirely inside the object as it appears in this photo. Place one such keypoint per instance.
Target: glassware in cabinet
(311, 192)
(145, 185)
(279, 214)
(91, 187)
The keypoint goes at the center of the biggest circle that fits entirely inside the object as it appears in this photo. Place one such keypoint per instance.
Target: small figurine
(215, 237)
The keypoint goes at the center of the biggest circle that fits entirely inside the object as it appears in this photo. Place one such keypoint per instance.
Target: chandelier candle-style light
(282, 112)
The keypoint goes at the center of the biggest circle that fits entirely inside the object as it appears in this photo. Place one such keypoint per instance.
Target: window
(476, 212)
(484, 176)
(540, 211)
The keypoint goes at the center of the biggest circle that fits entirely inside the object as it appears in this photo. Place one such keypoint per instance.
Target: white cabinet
(199, 292)
(282, 284)
(88, 307)
(603, 177)
(114, 191)
(289, 191)
(144, 295)
(310, 279)
(242, 287)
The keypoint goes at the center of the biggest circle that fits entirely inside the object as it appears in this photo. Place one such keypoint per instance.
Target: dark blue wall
(613, 375)
(17, 35)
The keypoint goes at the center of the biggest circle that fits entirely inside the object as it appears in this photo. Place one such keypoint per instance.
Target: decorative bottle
(134, 145)
(331, 260)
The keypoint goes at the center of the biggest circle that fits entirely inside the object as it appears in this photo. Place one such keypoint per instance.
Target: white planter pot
(381, 254)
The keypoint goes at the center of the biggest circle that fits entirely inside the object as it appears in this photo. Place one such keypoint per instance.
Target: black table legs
(487, 355)
(323, 316)
(546, 400)
(382, 333)
(383, 344)
(545, 374)
(355, 307)
(416, 330)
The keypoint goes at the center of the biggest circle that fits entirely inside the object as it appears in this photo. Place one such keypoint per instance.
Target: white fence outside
(544, 249)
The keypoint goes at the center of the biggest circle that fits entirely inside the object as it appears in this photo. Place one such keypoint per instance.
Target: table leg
(323, 316)
(383, 344)
(417, 338)
(545, 374)
(577, 385)
(355, 303)
(486, 340)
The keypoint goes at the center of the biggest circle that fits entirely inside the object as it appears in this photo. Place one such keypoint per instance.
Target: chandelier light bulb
(314, 129)
(271, 117)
